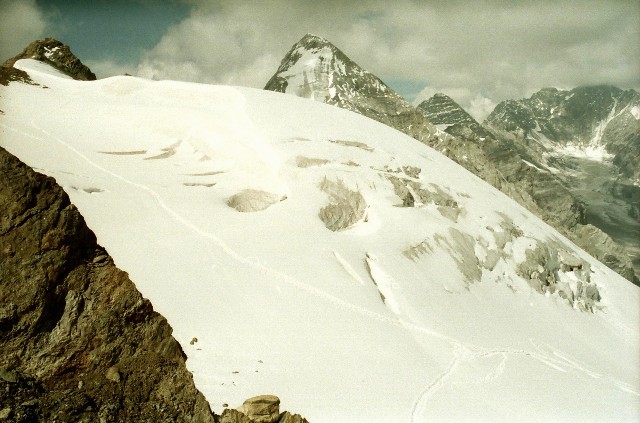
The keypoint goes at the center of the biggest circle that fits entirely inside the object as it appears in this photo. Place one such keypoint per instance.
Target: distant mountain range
(526, 148)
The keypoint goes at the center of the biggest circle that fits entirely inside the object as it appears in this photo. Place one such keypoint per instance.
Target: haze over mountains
(306, 251)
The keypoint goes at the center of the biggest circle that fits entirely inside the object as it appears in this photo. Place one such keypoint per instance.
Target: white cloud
(480, 107)
(106, 68)
(20, 23)
(478, 53)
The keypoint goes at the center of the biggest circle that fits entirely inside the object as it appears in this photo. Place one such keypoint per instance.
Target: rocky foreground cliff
(78, 342)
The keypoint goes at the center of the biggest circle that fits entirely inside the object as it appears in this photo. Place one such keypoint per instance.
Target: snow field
(281, 304)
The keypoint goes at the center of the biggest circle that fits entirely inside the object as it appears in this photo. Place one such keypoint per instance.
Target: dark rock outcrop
(78, 342)
(56, 54)
(9, 74)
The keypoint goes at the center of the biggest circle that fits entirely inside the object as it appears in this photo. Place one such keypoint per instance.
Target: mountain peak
(310, 39)
(305, 68)
(441, 109)
(57, 54)
(316, 69)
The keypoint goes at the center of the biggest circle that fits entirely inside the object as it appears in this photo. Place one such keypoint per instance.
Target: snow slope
(368, 278)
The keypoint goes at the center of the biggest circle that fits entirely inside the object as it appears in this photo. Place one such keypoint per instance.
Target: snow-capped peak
(316, 69)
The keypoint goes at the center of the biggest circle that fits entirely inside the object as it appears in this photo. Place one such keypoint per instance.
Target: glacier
(434, 298)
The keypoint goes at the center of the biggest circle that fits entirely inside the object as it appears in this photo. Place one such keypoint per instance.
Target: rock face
(56, 54)
(316, 69)
(587, 140)
(77, 340)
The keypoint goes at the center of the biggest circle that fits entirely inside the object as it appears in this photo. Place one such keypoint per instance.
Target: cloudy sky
(478, 52)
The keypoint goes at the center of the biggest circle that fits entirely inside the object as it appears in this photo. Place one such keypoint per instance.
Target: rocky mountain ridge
(593, 117)
(588, 139)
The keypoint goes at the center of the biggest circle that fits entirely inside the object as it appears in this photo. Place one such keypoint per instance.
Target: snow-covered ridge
(428, 292)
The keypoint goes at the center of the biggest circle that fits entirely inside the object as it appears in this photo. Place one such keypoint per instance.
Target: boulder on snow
(230, 415)
(346, 209)
(262, 409)
(251, 200)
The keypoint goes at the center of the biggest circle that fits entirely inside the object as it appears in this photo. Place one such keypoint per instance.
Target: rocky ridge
(593, 116)
(525, 168)
(56, 54)
(586, 134)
